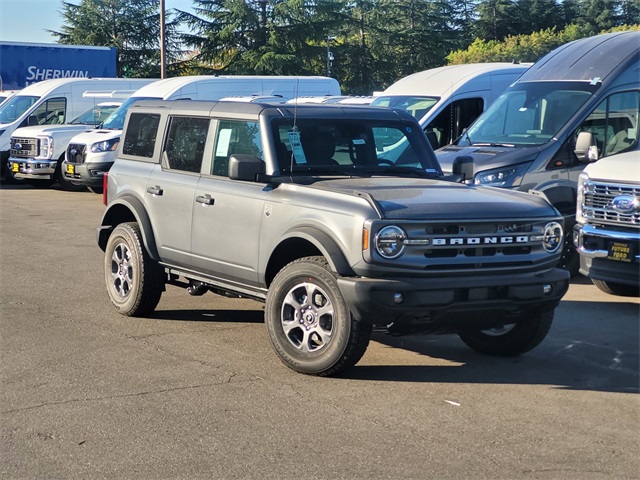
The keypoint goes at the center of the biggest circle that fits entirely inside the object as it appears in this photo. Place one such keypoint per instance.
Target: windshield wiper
(492, 144)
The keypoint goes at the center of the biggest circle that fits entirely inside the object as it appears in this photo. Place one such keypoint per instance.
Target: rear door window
(185, 143)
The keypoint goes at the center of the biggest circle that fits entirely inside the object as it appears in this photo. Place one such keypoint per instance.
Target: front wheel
(512, 339)
(619, 289)
(308, 322)
(134, 280)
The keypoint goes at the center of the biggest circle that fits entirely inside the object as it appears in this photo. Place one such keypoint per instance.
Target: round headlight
(552, 237)
(389, 241)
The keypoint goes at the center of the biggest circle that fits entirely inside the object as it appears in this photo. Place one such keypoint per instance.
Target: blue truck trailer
(22, 64)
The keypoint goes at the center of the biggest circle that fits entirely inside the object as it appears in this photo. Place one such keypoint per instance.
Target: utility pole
(329, 54)
(163, 66)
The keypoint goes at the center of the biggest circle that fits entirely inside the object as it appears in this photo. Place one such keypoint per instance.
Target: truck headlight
(553, 237)
(46, 147)
(105, 146)
(390, 241)
(583, 182)
(502, 177)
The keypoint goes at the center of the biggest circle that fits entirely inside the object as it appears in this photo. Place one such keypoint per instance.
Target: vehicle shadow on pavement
(204, 315)
(599, 352)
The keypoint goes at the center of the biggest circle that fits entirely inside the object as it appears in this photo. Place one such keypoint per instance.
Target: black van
(579, 103)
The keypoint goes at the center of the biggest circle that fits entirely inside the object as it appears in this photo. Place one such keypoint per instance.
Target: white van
(446, 100)
(91, 154)
(52, 102)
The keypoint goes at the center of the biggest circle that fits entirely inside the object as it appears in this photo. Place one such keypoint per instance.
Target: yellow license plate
(15, 167)
(71, 169)
(621, 252)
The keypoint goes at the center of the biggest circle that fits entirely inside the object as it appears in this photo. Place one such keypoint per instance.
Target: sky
(17, 15)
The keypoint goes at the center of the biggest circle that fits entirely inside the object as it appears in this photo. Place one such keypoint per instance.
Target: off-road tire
(517, 338)
(308, 322)
(618, 289)
(134, 280)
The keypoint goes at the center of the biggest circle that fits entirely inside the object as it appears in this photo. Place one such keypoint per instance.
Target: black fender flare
(327, 246)
(114, 215)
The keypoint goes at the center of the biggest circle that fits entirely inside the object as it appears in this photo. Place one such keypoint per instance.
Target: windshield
(94, 115)
(115, 121)
(13, 108)
(353, 146)
(529, 113)
(415, 105)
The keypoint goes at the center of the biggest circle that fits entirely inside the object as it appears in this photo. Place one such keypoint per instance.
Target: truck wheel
(513, 339)
(134, 280)
(617, 288)
(308, 322)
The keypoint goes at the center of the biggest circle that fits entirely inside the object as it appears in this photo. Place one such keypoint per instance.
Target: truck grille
(76, 153)
(24, 147)
(598, 203)
(475, 247)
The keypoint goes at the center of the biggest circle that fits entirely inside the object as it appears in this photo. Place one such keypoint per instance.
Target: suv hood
(486, 158)
(402, 198)
(96, 135)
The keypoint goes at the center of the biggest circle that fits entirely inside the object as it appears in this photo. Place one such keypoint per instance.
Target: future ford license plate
(621, 252)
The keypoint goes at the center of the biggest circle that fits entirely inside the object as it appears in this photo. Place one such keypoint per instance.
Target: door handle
(156, 190)
(205, 199)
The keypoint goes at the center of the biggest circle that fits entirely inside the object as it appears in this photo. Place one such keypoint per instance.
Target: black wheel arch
(306, 241)
(128, 209)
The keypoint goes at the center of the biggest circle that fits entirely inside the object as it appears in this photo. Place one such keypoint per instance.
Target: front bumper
(448, 304)
(89, 174)
(32, 167)
(599, 260)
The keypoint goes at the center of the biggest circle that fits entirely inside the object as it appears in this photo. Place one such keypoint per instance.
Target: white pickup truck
(607, 233)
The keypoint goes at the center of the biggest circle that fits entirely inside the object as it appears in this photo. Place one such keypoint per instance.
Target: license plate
(621, 252)
(71, 169)
(15, 167)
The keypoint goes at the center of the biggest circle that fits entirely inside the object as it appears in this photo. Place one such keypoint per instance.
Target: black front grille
(76, 153)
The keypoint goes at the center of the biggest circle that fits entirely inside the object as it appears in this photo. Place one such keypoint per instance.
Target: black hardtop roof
(289, 110)
(600, 56)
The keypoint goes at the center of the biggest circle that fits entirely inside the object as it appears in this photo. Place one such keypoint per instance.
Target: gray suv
(337, 217)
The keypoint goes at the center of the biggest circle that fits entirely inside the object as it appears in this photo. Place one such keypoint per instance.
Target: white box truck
(91, 154)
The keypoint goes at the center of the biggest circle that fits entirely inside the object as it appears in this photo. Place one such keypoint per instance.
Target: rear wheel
(308, 322)
(617, 288)
(134, 280)
(511, 339)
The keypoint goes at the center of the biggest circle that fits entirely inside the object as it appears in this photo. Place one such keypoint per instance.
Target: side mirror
(245, 167)
(586, 149)
(463, 166)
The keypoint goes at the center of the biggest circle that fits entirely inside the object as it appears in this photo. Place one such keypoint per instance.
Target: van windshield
(416, 105)
(528, 113)
(94, 115)
(14, 107)
(115, 121)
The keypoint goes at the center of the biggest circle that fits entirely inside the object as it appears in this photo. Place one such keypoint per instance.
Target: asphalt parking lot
(194, 391)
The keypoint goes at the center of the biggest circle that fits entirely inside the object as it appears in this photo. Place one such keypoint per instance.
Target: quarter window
(185, 143)
(140, 138)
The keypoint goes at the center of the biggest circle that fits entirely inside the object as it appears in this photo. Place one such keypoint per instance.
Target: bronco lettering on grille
(481, 240)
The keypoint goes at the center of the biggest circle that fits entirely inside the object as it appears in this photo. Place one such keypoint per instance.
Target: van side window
(614, 123)
(451, 122)
(140, 137)
(50, 112)
(185, 143)
(235, 137)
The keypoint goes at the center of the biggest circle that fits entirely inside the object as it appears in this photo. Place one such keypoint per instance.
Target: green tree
(132, 26)
(496, 19)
